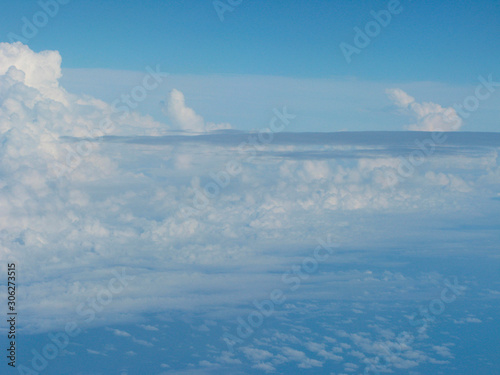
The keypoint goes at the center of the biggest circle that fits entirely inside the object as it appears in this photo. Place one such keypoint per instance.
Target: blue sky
(446, 41)
(183, 194)
(425, 45)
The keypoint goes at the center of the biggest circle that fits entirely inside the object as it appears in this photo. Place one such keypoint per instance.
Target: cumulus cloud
(117, 332)
(443, 351)
(186, 118)
(299, 356)
(429, 116)
(256, 354)
(40, 71)
(121, 202)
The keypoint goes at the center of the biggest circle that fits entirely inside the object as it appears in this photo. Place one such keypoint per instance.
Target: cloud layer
(209, 223)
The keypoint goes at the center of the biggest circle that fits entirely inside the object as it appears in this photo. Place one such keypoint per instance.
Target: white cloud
(298, 356)
(469, 319)
(186, 118)
(148, 327)
(256, 354)
(142, 342)
(429, 116)
(321, 350)
(117, 332)
(40, 71)
(400, 98)
(443, 351)
(264, 366)
(123, 201)
(228, 358)
(95, 352)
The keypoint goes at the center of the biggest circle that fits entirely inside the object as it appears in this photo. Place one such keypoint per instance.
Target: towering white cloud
(429, 116)
(186, 118)
(40, 71)
(39, 171)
